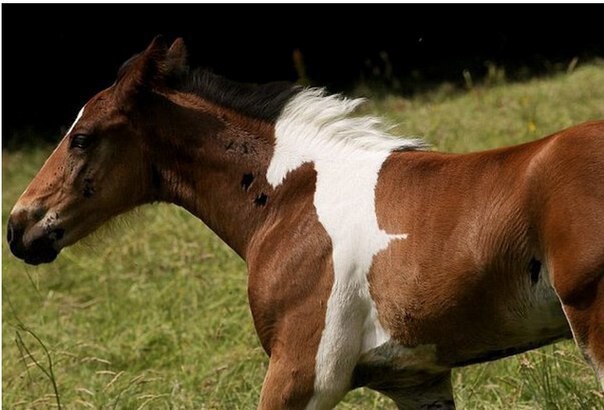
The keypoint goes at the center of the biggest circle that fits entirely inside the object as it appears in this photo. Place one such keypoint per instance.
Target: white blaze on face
(19, 206)
(347, 154)
(76, 120)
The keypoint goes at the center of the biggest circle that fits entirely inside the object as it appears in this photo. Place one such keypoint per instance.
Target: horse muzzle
(33, 243)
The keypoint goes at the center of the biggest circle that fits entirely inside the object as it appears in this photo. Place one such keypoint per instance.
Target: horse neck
(212, 161)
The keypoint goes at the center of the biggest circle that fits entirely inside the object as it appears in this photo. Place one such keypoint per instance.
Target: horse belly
(532, 317)
(392, 364)
(435, 325)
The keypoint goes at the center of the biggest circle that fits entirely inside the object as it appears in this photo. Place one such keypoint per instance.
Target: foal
(371, 261)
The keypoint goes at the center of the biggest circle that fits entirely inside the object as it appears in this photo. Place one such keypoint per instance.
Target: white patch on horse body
(347, 154)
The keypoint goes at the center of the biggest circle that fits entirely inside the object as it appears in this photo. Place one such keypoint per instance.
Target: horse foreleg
(289, 384)
(578, 278)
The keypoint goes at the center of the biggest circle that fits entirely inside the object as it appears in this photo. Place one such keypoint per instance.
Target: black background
(55, 57)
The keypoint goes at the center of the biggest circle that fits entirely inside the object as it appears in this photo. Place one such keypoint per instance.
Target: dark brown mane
(261, 101)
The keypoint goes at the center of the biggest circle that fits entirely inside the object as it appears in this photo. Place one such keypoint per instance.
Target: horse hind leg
(579, 283)
(584, 310)
(571, 220)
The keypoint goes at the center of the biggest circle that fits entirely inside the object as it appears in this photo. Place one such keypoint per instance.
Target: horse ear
(157, 47)
(160, 62)
(152, 61)
(152, 67)
(176, 58)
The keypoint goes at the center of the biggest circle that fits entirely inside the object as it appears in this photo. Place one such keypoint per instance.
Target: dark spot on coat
(261, 199)
(88, 188)
(246, 181)
(534, 269)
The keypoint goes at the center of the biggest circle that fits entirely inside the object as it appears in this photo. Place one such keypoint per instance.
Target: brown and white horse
(372, 262)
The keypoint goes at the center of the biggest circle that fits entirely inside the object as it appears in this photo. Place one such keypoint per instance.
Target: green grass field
(153, 313)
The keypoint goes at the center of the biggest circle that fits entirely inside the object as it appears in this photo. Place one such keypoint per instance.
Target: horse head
(100, 168)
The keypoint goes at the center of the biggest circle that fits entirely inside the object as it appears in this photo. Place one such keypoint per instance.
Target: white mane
(314, 125)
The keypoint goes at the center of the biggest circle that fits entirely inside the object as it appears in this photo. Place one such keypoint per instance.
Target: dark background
(55, 57)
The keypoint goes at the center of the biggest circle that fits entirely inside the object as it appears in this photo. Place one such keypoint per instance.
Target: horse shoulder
(290, 272)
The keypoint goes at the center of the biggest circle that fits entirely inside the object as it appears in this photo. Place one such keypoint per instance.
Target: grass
(154, 315)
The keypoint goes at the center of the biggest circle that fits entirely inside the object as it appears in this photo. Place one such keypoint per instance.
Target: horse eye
(81, 141)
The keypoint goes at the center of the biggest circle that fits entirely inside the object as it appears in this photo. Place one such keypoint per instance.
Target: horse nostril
(56, 235)
(14, 236)
(10, 235)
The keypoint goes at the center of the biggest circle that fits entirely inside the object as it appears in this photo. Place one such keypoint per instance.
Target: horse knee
(284, 391)
(291, 394)
(290, 384)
